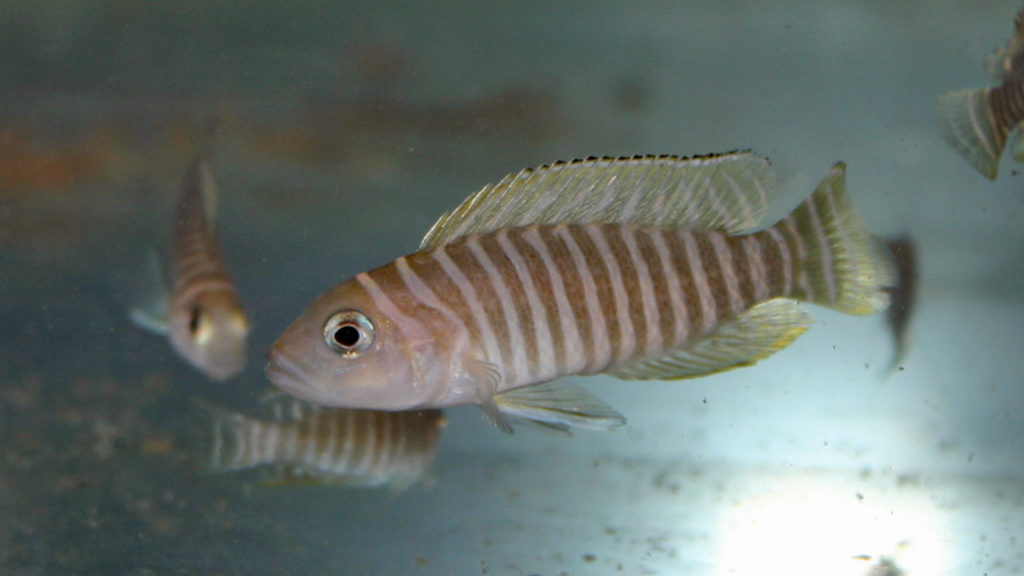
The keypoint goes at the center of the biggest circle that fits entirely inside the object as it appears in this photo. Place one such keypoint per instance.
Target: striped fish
(977, 123)
(302, 443)
(643, 268)
(199, 312)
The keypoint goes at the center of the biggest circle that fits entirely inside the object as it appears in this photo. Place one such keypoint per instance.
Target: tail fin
(219, 439)
(902, 294)
(970, 126)
(839, 263)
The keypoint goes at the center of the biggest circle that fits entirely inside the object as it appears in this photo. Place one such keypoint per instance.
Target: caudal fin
(838, 262)
(972, 129)
(218, 440)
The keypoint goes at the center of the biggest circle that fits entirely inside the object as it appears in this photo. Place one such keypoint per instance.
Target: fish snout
(283, 371)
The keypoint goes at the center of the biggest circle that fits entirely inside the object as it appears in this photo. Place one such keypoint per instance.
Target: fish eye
(348, 333)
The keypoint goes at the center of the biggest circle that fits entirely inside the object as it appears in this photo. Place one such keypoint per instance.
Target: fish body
(199, 310)
(978, 122)
(302, 443)
(643, 268)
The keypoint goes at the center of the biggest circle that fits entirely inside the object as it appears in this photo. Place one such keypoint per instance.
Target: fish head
(344, 351)
(211, 332)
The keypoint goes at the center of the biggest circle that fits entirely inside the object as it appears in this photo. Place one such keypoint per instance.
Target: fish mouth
(284, 372)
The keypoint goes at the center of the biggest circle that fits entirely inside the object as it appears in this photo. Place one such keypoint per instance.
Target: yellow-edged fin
(559, 404)
(1017, 143)
(721, 192)
(849, 268)
(969, 127)
(752, 336)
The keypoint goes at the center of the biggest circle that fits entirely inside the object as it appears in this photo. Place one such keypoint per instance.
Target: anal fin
(752, 336)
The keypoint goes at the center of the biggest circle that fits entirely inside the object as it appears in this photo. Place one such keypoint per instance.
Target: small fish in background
(902, 295)
(978, 122)
(199, 311)
(652, 267)
(300, 443)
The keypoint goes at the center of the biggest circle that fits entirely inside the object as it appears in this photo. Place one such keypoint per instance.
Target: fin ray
(152, 307)
(752, 336)
(559, 404)
(969, 127)
(849, 268)
(723, 192)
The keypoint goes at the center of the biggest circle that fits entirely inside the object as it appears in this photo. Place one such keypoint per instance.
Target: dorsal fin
(721, 192)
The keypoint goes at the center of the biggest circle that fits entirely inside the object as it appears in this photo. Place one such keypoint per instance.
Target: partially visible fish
(902, 294)
(200, 311)
(643, 268)
(978, 122)
(303, 443)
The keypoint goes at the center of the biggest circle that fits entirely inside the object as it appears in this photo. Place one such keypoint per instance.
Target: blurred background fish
(977, 122)
(302, 443)
(199, 311)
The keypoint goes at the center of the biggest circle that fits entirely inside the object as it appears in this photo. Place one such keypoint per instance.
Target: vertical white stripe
(411, 328)
(385, 421)
(312, 436)
(519, 369)
(343, 465)
(786, 259)
(369, 443)
(485, 333)
(545, 362)
(379, 444)
(801, 257)
(755, 267)
(291, 445)
(676, 294)
(652, 316)
(598, 327)
(253, 445)
(709, 311)
(825, 251)
(327, 451)
(273, 438)
(241, 431)
(725, 265)
(422, 292)
(218, 442)
(627, 335)
(846, 242)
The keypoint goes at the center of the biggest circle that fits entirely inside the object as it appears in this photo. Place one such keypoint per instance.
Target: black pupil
(347, 336)
(193, 321)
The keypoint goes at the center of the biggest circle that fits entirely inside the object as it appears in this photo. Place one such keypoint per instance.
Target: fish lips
(285, 373)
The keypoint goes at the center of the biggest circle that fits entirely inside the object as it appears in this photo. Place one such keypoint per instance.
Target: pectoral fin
(151, 310)
(560, 405)
(487, 377)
